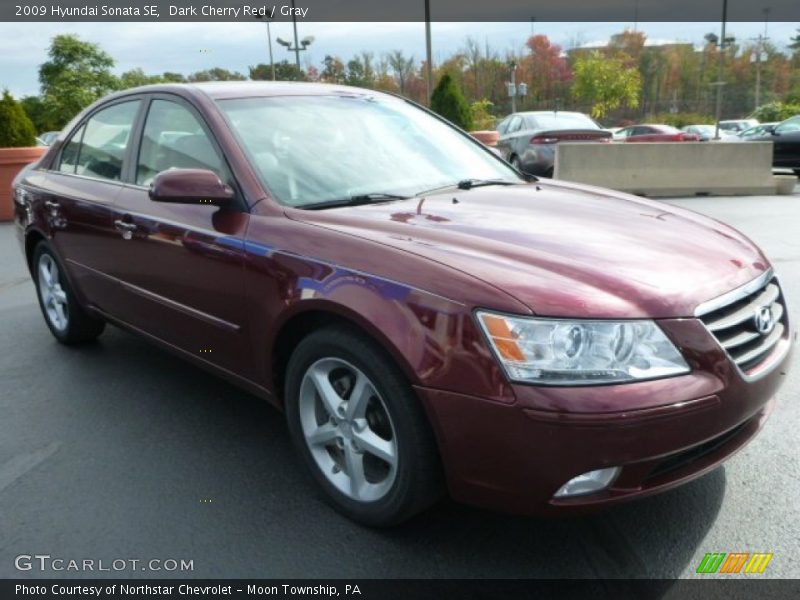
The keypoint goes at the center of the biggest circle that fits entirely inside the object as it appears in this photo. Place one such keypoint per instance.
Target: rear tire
(360, 428)
(62, 312)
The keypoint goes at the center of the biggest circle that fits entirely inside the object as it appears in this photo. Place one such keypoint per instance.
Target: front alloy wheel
(348, 429)
(360, 428)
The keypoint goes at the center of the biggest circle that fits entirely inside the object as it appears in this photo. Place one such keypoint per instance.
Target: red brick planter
(12, 160)
(487, 137)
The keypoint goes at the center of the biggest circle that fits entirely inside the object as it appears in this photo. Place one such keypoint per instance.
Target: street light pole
(721, 69)
(299, 45)
(296, 44)
(269, 42)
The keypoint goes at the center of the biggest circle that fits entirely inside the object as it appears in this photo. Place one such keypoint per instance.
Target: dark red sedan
(428, 317)
(654, 133)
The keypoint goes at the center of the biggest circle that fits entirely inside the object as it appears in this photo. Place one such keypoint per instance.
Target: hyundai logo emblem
(764, 321)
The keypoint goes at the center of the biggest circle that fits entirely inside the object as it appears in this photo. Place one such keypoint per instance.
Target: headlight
(578, 352)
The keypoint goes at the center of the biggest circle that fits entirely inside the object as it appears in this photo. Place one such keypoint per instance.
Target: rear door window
(69, 154)
(104, 142)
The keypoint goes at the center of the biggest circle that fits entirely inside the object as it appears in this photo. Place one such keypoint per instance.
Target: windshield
(563, 121)
(316, 149)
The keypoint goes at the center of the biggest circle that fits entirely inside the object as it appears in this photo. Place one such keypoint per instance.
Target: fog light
(588, 483)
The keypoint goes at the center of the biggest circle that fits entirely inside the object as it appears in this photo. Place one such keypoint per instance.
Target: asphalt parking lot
(118, 450)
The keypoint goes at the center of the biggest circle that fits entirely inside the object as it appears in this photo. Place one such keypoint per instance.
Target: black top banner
(403, 10)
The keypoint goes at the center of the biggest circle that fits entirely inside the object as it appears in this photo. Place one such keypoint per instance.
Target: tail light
(543, 140)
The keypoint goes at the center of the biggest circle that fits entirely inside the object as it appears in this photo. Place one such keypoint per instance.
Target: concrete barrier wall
(670, 169)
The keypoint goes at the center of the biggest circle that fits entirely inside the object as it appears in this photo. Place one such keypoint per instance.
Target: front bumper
(663, 433)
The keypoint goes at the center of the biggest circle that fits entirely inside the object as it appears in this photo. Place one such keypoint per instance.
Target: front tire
(360, 428)
(65, 317)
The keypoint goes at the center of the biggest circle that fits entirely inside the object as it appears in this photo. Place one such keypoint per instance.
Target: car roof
(251, 89)
(551, 113)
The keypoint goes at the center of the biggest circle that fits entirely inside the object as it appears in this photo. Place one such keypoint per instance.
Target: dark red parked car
(429, 318)
(654, 133)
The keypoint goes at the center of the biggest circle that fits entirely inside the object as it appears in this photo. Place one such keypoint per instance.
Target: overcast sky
(187, 47)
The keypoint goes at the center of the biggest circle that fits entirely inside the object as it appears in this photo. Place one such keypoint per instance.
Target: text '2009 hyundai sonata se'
(429, 318)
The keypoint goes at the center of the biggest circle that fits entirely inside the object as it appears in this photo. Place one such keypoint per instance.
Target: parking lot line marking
(15, 468)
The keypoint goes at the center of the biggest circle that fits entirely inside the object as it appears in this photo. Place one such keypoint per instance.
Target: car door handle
(51, 205)
(126, 228)
(124, 225)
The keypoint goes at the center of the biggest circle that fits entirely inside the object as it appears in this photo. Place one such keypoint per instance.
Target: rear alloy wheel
(360, 428)
(51, 294)
(67, 320)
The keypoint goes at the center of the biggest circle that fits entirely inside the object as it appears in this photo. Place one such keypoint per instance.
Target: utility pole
(269, 44)
(512, 90)
(759, 47)
(759, 52)
(428, 52)
(721, 70)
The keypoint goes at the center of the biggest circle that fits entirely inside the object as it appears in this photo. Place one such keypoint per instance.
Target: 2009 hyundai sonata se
(428, 318)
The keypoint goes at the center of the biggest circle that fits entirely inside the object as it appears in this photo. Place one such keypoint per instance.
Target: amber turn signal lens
(504, 340)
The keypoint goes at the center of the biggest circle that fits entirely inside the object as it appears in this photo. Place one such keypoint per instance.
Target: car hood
(564, 249)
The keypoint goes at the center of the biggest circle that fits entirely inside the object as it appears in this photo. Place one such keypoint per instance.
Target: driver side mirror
(190, 186)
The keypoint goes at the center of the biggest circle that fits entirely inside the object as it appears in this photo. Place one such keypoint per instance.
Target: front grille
(735, 324)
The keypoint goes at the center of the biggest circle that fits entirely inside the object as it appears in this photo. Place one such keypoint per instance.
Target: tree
(76, 74)
(627, 45)
(795, 42)
(402, 67)
(606, 83)
(16, 129)
(284, 71)
(137, 77)
(216, 74)
(448, 101)
(545, 69)
(170, 77)
(37, 112)
(333, 71)
(360, 71)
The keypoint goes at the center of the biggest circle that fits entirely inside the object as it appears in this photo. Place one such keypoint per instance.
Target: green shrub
(776, 111)
(482, 118)
(682, 119)
(16, 129)
(448, 101)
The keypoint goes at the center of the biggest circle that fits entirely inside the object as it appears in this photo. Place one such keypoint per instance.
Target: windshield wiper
(356, 200)
(466, 184)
